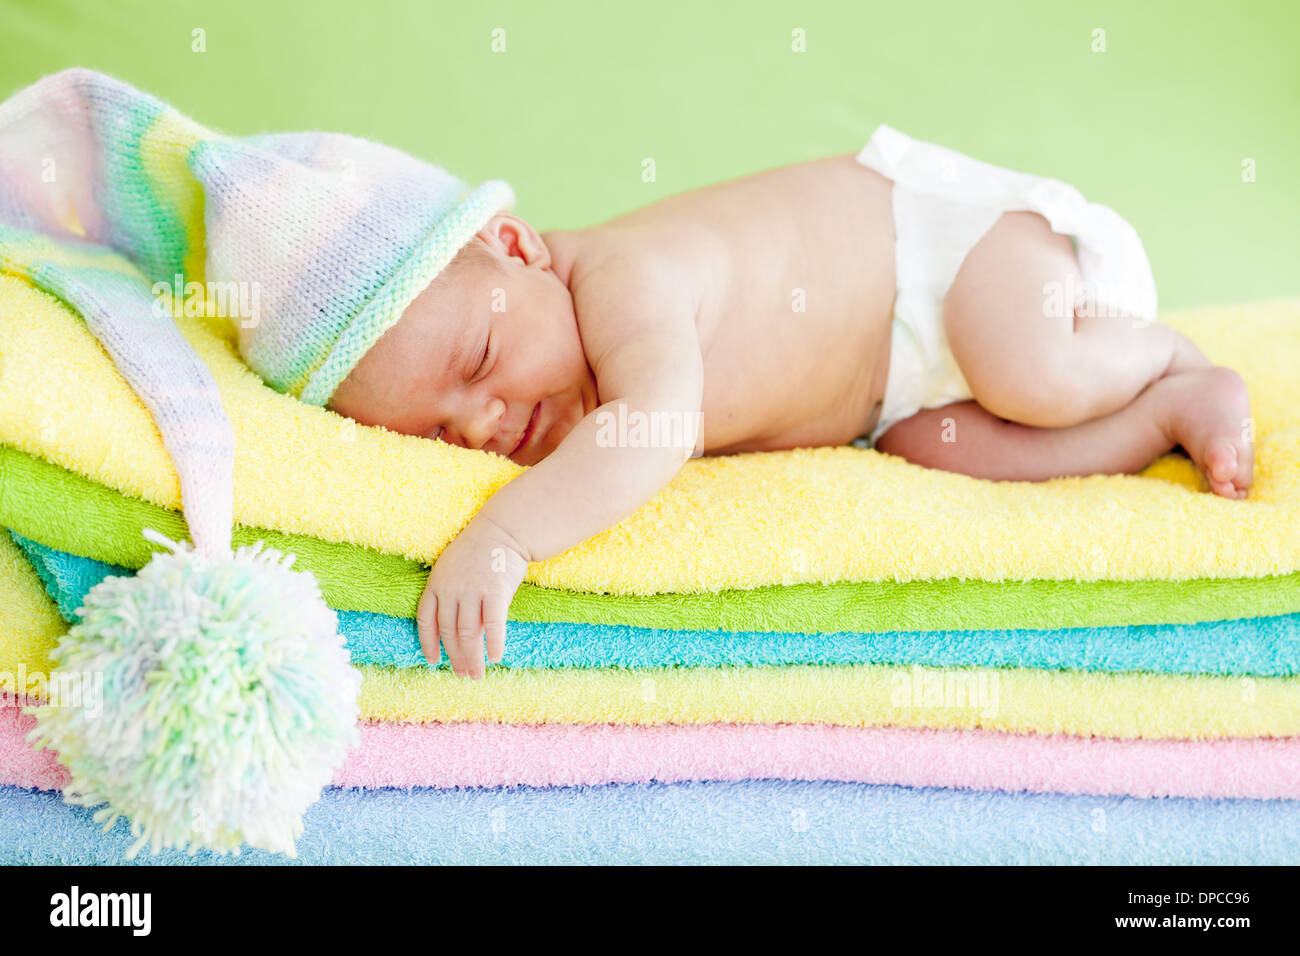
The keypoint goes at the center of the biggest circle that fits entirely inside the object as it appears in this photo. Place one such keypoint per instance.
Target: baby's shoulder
(618, 272)
(624, 291)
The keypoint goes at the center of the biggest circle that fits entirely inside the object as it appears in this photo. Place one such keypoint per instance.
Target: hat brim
(420, 268)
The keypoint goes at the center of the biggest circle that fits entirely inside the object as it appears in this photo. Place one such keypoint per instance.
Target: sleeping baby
(957, 314)
(954, 313)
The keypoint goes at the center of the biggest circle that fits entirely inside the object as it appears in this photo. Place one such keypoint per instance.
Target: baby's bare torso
(792, 275)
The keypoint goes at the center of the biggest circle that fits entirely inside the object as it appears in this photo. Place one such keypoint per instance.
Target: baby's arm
(647, 359)
(584, 486)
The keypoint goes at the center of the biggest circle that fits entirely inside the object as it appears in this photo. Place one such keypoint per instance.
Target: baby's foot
(1209, 415)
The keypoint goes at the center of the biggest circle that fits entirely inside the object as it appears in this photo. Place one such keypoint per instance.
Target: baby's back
(793, 273)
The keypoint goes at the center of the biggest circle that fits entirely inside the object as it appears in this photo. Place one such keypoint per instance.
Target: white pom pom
(217, 698)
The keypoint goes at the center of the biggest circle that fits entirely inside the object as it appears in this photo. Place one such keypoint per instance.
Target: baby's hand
(468, 593)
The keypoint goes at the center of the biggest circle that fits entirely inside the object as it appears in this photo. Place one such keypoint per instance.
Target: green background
(1157, 126)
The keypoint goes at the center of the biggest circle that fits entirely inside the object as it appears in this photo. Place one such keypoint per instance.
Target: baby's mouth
(528, 430)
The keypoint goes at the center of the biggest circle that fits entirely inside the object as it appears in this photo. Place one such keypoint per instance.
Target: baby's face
(487, 357)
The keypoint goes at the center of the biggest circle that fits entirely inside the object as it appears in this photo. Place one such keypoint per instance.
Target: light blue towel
(758, 821)
(1265, 646)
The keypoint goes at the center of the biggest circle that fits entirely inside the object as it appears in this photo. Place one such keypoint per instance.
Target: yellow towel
(827, 514)
(1021, 700)
(1012, 699)
(30, 625)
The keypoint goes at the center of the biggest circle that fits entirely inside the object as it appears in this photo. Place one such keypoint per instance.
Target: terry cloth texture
(860, 695)
(737, 522)
(1022, 700)
(459, 754)
(490, 755)
(36, 497)
(30, 625)
(757, 822)
(1265, 646)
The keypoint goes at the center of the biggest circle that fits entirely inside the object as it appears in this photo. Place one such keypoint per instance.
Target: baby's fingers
(494, 626)
(469, 636)
(447, 633)
(426, 626)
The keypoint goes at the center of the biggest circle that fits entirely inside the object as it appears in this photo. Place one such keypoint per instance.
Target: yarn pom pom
(214, 700)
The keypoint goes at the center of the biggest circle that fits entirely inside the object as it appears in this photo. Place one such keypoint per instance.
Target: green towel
(37, 498)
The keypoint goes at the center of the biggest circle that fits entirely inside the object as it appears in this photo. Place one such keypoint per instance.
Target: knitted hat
(339, 234)
(107, 197)
(331, 236)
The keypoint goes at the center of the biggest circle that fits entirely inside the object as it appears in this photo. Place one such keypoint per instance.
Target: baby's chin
(555, 425)
(541, 446)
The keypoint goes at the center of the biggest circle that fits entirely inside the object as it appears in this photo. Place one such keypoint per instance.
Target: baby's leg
(1191, 408)
(1030, 361)
(1025, 353)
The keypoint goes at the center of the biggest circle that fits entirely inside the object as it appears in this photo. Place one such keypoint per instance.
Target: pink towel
(494, 755)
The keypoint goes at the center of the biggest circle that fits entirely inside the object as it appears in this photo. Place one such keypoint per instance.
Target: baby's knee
(1054, 393)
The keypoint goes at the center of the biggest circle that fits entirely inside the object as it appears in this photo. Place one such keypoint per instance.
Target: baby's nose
(485, 426)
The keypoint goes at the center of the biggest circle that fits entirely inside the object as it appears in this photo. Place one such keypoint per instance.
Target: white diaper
(944, 203)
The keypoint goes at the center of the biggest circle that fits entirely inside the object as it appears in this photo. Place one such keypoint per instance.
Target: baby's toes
(1245, 467)
(1242, 480)
(1228, 468)
(1224, 489)
(1221, 462)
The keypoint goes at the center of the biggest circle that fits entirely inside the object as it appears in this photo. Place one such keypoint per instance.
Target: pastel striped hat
(332, 237)
(108, 197)
(339, 235)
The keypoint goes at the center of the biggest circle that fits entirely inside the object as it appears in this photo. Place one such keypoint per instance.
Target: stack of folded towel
(818, 655)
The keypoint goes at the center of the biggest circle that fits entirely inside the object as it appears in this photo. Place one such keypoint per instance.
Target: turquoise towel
(1258, 646)
(758, 821)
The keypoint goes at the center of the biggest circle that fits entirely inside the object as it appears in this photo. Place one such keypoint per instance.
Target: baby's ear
(508, 236)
